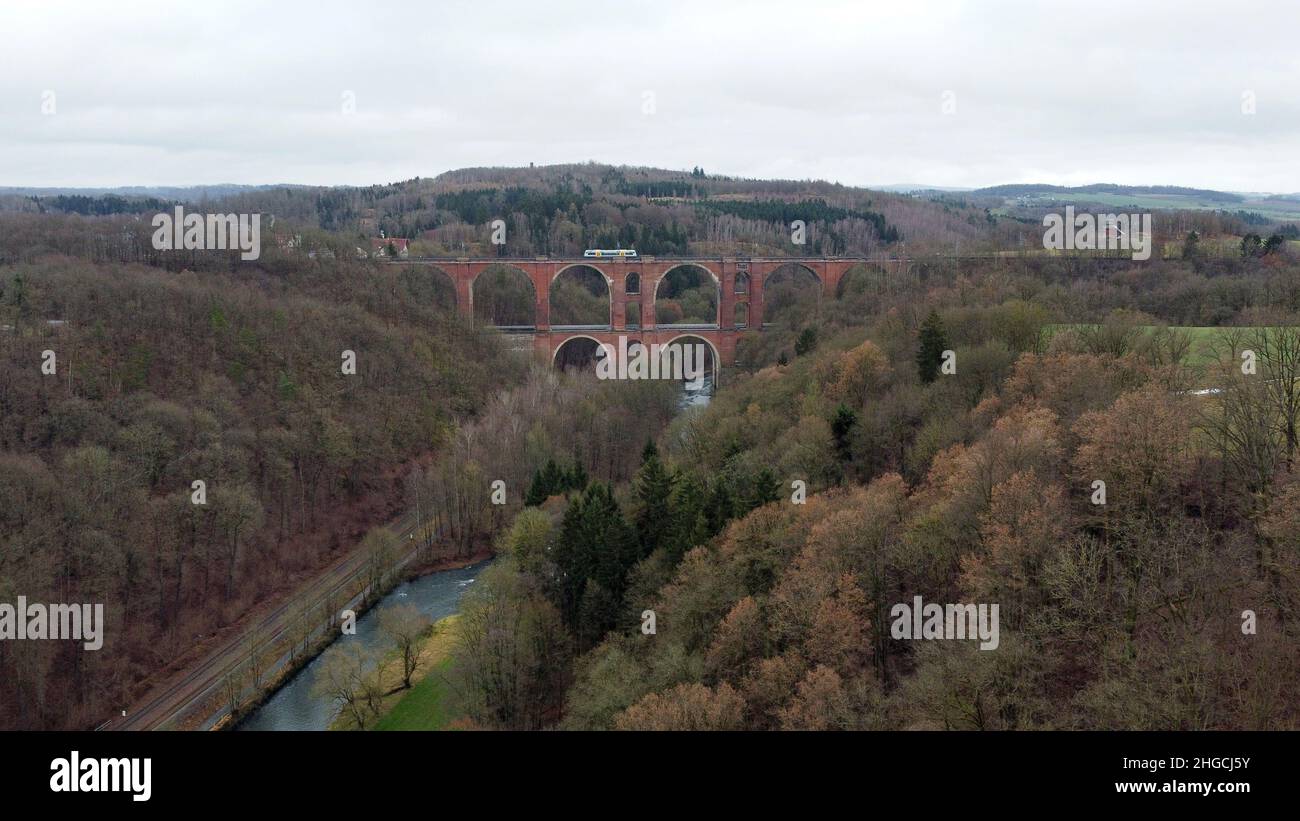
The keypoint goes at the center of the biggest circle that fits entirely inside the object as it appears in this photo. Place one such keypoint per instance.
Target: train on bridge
(599, 253)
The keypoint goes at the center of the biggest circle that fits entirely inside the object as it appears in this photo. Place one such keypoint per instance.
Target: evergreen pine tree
(613, 541)
(553, 479)
(572, 560)
(841, 429)
(765, 489)
(578, 478)
(721, 507)
(807, 342)
(699, 533)
(653, 488)
(934, 341)
(597, 614)
(596, 549)
(536, 491)
(688, 521)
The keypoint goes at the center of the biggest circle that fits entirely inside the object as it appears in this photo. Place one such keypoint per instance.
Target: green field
(1204, 339)
(428, 706)
(1271, 208)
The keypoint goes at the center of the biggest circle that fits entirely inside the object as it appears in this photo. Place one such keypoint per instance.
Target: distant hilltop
(186, 193)
(560, 210)
(1038, 189)
(647, 176)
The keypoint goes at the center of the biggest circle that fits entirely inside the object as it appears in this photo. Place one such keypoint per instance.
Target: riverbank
(274, 709)
(430, 703)
(416, 571)
(287, 672)
(295, 705)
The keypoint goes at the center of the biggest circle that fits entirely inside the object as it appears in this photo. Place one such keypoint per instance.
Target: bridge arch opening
(632, 314)
(688, 295)
(576, 353)
(581, 296)
(862, 279)
(791, 294)
(581, 352)
(741, 317)
(428, 285)
(712, 358)
(504, 296)
(632, 284)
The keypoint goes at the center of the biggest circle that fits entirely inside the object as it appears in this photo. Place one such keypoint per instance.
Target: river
(696, 398)
(294, 707)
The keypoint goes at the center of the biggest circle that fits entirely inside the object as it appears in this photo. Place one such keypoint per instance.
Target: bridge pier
(542, 276)
(757, 277)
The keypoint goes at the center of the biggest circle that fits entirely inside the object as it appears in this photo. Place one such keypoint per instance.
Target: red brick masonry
(725, 271)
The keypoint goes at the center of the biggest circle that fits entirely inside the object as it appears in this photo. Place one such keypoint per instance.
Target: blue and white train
(618, 252)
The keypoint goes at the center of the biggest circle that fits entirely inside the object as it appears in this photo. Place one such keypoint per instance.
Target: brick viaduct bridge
(739, 282)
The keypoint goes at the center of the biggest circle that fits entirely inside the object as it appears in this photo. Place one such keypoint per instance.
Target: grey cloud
(240, 92)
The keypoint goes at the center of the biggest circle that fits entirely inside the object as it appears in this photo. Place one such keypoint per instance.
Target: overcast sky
(907, 91)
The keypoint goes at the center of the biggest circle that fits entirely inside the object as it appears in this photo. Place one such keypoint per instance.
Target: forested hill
(158, 378)
(562, 209)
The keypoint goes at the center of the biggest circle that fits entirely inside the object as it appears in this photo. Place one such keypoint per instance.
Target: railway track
(181, 696)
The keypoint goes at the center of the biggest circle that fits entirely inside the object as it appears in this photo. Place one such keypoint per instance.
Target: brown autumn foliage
(686, 707)
(1107, 610)
(1026, 520)
(164, 379)
(1127, 614)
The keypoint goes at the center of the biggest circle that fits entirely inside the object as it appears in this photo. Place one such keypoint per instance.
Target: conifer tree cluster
(552, 479)
(598, 547)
